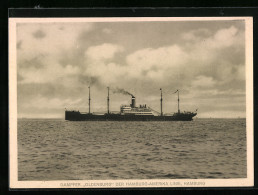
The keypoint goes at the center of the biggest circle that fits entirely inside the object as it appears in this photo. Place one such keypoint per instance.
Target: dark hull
(77, 116)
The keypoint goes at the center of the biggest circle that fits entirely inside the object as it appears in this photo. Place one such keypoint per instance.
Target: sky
(205, 60)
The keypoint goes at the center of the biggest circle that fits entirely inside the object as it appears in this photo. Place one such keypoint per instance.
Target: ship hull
(77, 116)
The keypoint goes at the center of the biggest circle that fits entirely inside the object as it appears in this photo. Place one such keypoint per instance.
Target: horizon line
(194, 118)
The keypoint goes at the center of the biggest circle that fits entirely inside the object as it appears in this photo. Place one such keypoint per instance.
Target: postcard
(131, 102)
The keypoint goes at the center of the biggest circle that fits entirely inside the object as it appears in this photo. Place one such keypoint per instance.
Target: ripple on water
(204, 148)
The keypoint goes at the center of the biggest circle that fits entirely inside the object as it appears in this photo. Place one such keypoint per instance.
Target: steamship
(130, 113)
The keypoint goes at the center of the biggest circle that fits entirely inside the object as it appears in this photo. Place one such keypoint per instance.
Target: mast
(108, 101)
(89, 99)
(161, 113)
(178, 100)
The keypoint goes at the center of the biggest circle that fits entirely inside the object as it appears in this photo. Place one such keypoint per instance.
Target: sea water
(51, 149)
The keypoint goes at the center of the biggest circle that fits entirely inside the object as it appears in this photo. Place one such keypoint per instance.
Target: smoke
(121, 91)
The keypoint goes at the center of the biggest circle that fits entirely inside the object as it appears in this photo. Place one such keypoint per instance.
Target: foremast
(108, 101)
(89, 99)
(161, 99)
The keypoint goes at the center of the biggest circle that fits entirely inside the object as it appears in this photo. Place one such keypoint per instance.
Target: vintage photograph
(130, 102)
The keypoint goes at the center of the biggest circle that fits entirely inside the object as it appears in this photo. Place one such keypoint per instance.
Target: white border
(13, 155)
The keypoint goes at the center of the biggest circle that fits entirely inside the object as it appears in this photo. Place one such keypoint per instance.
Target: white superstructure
(126, 110)
(133, 110)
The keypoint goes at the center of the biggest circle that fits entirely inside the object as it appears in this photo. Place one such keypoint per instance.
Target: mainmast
(89, 99)
(108, 101)
(161, 113)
